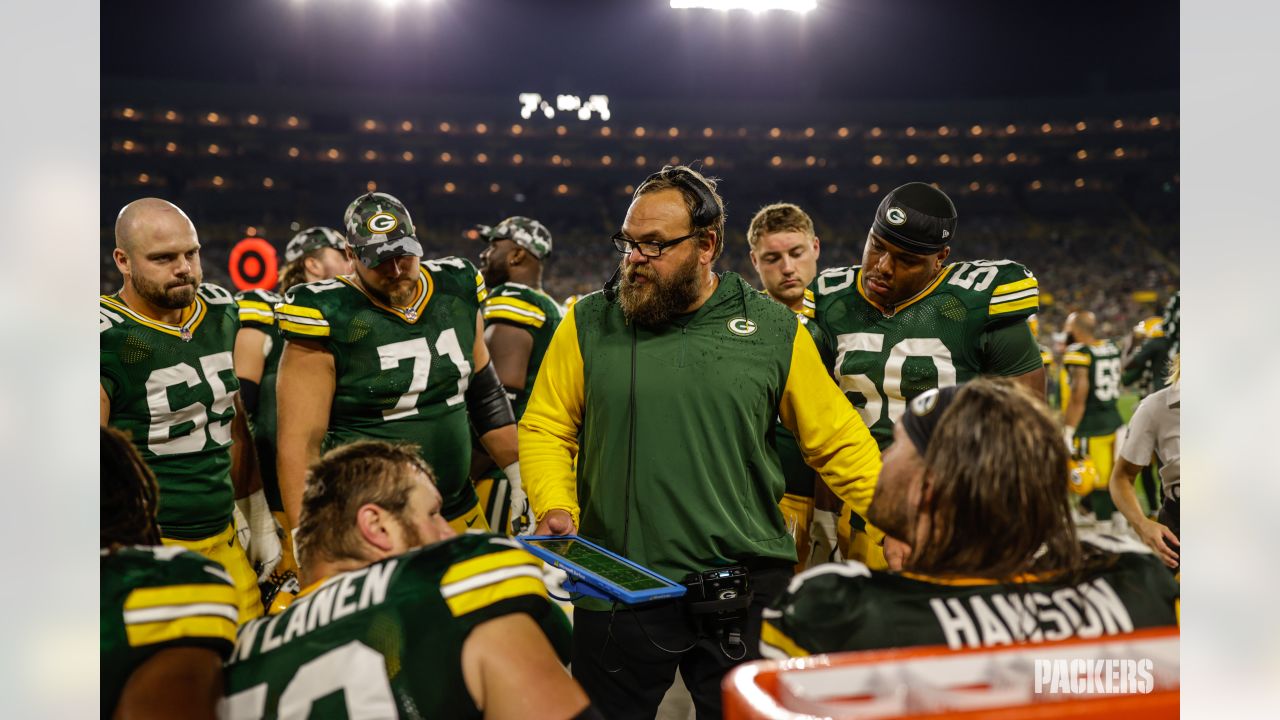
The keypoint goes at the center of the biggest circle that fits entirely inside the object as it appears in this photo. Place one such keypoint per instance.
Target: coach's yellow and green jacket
(672, 430)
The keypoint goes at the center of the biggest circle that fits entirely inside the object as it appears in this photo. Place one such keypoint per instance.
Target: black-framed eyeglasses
(625, 244)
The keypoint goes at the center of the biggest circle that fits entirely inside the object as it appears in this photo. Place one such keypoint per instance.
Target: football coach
(650, 431)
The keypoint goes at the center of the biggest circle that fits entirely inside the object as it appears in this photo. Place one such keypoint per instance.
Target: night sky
(845, 50)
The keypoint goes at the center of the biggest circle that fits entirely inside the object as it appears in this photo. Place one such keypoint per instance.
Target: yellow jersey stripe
(1046, 358)
(496, 314)
(1015, 286)
(1077, 358)
(1014, 296)
(487, 562)
(300, 311)
(771, 635)
(1002, 308)
(180, 595)
(481, 291)
(514, 302)
(312, 330)
(254, 304)
(205, 626)
(483, 597)
(257, 317)
(979, 581)
(149, 615)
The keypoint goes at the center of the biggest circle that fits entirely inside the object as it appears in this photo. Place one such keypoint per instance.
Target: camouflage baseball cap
(525, 232)
(379, 227)
(311, 239)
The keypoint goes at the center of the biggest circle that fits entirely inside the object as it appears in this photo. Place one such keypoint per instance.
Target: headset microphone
(611, 285)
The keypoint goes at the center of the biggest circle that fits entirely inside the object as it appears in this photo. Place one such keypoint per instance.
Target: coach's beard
(658, 301)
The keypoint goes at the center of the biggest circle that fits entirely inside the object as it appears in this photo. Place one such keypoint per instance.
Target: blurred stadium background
(260, 119)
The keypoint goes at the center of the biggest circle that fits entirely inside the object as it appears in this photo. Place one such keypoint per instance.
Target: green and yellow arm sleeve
(548, 434)
(832, 436)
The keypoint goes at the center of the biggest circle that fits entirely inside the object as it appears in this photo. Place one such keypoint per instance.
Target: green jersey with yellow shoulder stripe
(1101, 359)
(971, 320)
(401, 372)
(257, 312)
(172, 389)
(153, 598)
(528, 309)
(386, 640)
(838, 607)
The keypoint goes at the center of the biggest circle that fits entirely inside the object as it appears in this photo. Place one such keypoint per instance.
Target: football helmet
(1082, 475)
(1152, 327)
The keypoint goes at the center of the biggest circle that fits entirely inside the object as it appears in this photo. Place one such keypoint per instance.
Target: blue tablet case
(585, 581)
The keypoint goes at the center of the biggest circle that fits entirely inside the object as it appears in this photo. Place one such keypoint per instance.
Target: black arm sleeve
(487, 402)
(589, 713)
(249, 396)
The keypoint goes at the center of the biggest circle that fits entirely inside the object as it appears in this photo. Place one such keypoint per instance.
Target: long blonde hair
(1175, 369)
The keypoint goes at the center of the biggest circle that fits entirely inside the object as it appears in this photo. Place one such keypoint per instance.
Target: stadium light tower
(757, 6)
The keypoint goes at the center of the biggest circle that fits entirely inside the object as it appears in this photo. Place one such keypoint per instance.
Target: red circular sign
(254, 265)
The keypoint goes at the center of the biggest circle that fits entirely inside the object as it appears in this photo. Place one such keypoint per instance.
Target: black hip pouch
(719, 598)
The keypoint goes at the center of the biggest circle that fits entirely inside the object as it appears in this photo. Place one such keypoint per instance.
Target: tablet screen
(589, 558)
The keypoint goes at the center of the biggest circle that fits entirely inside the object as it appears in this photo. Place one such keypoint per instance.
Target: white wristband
(512, 472)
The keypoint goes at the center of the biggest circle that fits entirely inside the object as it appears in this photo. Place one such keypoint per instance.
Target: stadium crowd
(316, 487)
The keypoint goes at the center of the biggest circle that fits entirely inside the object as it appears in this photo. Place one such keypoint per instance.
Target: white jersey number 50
(874, 409)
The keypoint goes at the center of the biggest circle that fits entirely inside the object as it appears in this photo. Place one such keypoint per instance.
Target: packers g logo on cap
(925, 402)
(382, 223)
(741, 326)
(895, 216)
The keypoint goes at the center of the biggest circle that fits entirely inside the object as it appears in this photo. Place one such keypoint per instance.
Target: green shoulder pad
(832, 283)
(516, 304)
(1001, 290)
(172, 595)
(820, 609)
(457, 276)
(483, 576)
(1078, 354)
(308, 309)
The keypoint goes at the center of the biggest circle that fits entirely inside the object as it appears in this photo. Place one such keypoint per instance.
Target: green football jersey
(1102, 361)
(386, 641)
(528, 309)
(154, 598)
(257, 311)
(401, 372)
(840, 607)
(972, 320)
(172, 389)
